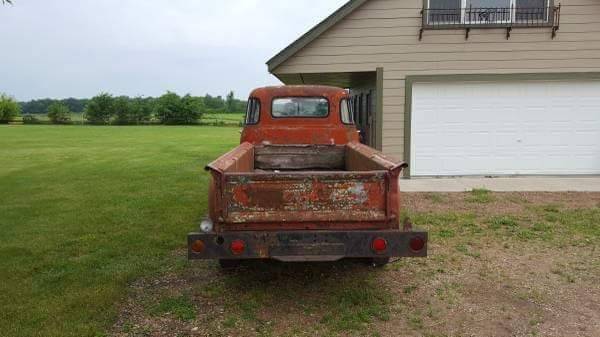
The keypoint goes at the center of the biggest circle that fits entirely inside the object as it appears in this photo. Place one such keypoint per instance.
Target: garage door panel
(506, 128)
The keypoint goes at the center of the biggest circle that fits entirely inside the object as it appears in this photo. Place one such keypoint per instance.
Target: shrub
(122, 110)
(140, 110)
(59, 113)
(173, 109)
(9, 108)
(100, 109)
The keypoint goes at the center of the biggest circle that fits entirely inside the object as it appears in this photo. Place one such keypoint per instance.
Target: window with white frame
(482, 12)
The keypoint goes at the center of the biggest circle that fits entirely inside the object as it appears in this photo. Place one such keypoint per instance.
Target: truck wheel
(379, 262)
(229, 264)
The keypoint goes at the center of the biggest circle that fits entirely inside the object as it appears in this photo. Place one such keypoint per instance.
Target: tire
(379, 262)
(229, 264)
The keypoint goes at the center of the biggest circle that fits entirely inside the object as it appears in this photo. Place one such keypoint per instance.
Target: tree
(214, 104)
(40, 106)
(193, 108)
(122, 110)
(230, 102)
(4, 2)
(167, 106)
(59, 113)
(9, 108)
(140, 110)
(173, 109)
(100, 109)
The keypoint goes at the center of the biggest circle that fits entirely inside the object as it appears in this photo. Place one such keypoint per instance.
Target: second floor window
(488, 12)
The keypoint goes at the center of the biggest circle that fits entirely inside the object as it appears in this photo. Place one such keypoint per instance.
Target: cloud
(65, 48)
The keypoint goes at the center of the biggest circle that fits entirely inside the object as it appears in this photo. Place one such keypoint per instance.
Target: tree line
(105, 108)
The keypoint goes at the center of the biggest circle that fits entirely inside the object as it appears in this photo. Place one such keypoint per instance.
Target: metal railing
(471, 17)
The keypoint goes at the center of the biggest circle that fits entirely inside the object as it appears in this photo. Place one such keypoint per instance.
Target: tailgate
(305, 197)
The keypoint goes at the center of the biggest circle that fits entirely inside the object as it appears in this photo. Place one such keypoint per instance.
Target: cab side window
(253, 111)
(346, 112)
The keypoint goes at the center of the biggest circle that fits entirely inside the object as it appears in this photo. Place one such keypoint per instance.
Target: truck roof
(297, 90)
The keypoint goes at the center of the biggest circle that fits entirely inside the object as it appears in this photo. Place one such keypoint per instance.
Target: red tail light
(379, 245)
(417, 244)
(198, 246)
(237, 247)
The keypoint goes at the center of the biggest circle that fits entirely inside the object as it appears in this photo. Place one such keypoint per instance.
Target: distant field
(223, 118)
(217, 119)
(86, 210)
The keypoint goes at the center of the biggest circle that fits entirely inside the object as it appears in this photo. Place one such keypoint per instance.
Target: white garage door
(505, 128)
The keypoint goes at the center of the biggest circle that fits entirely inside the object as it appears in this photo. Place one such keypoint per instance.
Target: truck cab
(299, 115)
(301, 187)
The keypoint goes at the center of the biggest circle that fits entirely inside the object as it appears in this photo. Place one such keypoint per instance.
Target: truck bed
(304, 187)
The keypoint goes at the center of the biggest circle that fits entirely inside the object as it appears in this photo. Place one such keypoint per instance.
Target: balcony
(472, 17)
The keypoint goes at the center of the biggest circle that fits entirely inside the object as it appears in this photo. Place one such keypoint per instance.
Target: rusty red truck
(301, 187)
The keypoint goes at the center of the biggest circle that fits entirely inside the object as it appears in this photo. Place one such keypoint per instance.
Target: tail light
(198, 246)
(237, 247)
(417, 244)
(379, 245)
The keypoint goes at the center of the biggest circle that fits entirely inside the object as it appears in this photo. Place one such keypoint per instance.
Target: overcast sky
(77, 48)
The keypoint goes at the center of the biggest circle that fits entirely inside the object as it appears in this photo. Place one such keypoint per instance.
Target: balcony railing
(471, 17)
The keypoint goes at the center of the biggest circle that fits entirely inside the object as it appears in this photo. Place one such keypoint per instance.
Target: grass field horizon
(213, 118)
(86, 210)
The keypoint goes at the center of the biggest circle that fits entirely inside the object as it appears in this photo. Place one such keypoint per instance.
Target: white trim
(490, 128)
(463, 15)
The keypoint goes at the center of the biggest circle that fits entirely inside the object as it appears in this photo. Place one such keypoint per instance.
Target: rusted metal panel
(360, 157)
(300, 157)
(305, 197)
(301, 226)
(358, 188)
(328, 130)
(306, 245)
(240, 159)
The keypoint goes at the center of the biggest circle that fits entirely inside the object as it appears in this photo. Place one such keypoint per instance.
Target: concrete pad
(516, 184)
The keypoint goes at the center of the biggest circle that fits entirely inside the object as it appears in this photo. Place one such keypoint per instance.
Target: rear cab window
(300, 107)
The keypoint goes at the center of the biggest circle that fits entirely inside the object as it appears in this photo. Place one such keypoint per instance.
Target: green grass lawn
(228, 119)
(86, 210)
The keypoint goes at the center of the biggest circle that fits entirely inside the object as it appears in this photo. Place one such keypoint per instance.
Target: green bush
(59, 113)
(121, 108)
(140, 110)
(173, 109)
(31, 119)
(9, 108)
(100, 109)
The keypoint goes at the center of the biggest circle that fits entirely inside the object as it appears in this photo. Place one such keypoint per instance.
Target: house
(464, 87)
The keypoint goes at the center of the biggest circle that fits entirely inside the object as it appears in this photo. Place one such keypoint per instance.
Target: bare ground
(510, 264)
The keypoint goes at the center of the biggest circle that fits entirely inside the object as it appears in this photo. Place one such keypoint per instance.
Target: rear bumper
(304, 245)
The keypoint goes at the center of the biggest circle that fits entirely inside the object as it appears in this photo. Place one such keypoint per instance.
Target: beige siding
(384, 33)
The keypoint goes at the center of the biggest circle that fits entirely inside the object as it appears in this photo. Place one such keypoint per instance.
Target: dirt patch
(498, 204)
(516, 264)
